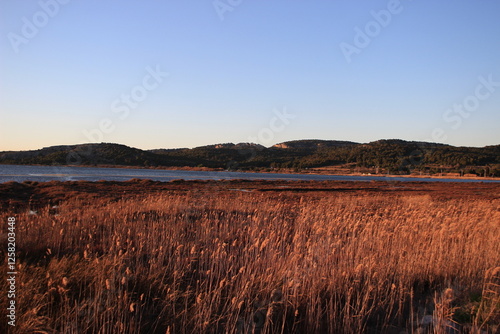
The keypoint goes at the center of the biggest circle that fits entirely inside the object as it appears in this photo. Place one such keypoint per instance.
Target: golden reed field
(255, 257)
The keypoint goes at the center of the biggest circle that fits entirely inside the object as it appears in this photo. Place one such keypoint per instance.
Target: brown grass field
(254, 257)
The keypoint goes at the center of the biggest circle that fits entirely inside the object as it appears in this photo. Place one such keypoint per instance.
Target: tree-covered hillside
(382, 156)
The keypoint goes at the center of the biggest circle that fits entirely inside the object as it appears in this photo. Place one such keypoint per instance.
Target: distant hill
(314, 144)
(85, 154)
(382, 156)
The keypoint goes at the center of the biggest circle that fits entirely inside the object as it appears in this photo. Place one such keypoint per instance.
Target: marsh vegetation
(217, 260)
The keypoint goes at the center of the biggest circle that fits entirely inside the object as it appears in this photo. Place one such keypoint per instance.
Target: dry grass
(240, 262)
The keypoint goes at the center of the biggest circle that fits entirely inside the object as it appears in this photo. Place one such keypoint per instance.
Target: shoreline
(279, 171)
(54, 192)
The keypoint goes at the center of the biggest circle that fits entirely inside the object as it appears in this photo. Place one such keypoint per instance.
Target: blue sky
(344, 70)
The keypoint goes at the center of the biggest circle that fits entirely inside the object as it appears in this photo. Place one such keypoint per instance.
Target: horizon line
(251, 143)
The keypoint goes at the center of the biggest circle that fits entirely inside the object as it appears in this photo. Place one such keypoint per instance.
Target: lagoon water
(22, 173)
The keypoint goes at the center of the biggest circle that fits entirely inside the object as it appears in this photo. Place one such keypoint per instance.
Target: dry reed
(241, 262)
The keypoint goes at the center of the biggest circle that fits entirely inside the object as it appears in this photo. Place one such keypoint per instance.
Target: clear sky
(166, 74)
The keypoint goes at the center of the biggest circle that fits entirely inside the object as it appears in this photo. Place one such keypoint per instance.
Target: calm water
(50, 173)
